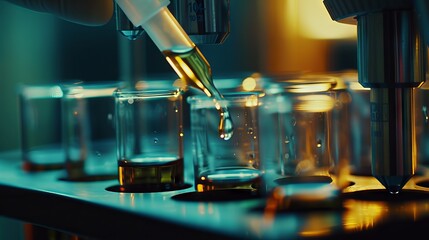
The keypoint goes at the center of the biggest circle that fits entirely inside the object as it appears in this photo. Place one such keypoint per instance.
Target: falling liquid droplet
(225, 126)
(155, 140)
(319, 143)
(250, 131)
(130, 101)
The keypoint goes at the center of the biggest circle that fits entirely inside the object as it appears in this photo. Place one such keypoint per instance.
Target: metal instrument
(392, 62)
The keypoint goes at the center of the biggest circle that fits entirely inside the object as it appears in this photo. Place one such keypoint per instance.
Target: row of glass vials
(287, 128)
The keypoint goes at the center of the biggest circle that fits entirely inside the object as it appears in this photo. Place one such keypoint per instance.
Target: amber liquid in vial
(195, 70)
(151, 172)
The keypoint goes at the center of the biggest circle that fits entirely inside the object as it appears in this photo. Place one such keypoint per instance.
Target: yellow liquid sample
(192, 67)
(151, 172)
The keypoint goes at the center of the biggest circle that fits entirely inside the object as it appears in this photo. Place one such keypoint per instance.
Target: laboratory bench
(100, 210)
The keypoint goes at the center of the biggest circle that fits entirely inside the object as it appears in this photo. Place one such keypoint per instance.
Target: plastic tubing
(159, 23)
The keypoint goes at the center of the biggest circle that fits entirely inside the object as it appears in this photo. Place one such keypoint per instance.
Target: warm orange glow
(287, 49)
(140, 85)
(174, 67)
(200, 188)
(188, 71)
(315, 103)
(315, 233)
(367, 214)
(249, 84)
(252, 101)
(206, 91)
(180, 83)
(309, 87)
(356, 86)
(313, 21)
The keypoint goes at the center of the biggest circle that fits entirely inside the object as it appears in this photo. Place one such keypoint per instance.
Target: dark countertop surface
(98, 210)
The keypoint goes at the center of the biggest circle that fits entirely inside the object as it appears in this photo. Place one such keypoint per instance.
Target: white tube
(158, 22)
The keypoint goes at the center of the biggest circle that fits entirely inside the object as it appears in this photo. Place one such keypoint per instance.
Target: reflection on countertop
(367, 209)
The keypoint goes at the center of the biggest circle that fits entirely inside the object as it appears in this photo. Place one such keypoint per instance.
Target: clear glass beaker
(88, 110)
(297, 120)
(221, 164)
(360, 134)
(40, 119)
(149, 135)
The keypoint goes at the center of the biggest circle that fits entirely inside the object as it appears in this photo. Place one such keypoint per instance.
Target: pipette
(180, 51)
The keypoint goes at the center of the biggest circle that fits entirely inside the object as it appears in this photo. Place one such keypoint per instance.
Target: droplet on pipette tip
(195, 70)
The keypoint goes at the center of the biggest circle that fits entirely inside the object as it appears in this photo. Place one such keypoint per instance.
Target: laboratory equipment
(391, 62)
(226, 165)
(297, 123)
(40, 119)
(88, 111)
(125, 27)
(360, 156)
(422, 10)
(422, 128)
(206, 22)
(180, 51)
(149, 136)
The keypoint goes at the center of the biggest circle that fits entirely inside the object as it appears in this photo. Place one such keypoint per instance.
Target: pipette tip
(393, 184)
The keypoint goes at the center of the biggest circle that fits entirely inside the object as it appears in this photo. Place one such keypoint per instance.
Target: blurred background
(276, 36)
(282, 36)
